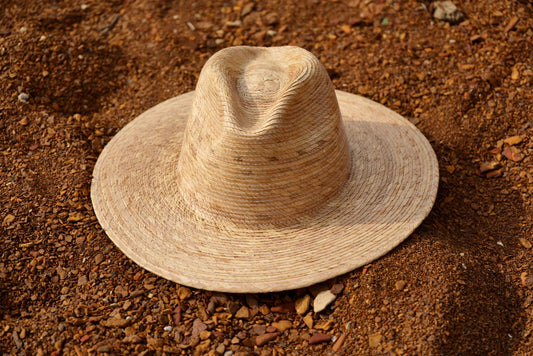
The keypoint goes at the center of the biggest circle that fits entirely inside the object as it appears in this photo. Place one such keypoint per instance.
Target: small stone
(16, 338)
(83, 280)
(85, 338)
(132, 339)
(324, 325)
(246, 9)
(338, 343)
(319, 338)
(283, 308)
(251, 301)
(104, 348)
(485, 167)
(126, 305)
(374, 339)
(258, 329)
(447, 11)
(121, 291)
(514, 74)
(197, 327)
(184, 293)
(154, 342)
(8, 219)
(308, 320)
(260, 340)
(117, 322)
(337, 288)
(24, 121)
(271, 329)
(168, 328)
(302, 304)
(400, 285)
(494, 174)
(282, 325)
(235, 340)
(243, 313)
(512, 153)
(264, 309)
(513, 140)
(233, 307)
(237, 23)
(23, 98)
(525, 243)
(219, 350)
(98, 258)
(205, 334)
(271, 18)
(322, 300)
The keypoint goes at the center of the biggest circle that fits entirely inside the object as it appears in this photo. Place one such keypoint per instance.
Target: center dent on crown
(259, 86)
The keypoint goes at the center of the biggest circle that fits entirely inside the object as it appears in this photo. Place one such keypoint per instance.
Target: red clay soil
(72, 73)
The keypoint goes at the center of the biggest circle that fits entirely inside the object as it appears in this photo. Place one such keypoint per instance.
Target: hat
(264, 178)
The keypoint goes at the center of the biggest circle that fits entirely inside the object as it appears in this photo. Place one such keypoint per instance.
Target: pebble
(24, 121)
(338, 343)
(132, 339)
(282, 325)
(337, 288)
(489, 166)
(447, 11)
(302, 304)
(246, 9)
(514, 140)
(374, 339)
(184, 293)
(243, 313)
(16, 338)
(23, 98)
(308, 320)
(83, 280)
(322, 300)
(283, 308)
(512, 153)
(258, 329)
(525, 243)
(104, 348)
(98, 258)
(400, 285)
(168, 328)
(9, 218)
(220, 349)
(319, 338)
(260, 340)
(228, 353)
(197, 327)
(117, 322)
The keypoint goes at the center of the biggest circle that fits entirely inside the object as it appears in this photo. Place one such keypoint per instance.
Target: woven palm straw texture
(263, 179)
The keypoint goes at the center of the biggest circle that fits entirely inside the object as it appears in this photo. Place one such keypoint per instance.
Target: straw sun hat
(264, 178)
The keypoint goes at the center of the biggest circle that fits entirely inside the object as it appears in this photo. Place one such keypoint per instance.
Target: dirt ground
(73, 72)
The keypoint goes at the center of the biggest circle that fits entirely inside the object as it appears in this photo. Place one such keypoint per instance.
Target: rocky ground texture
(73, 72)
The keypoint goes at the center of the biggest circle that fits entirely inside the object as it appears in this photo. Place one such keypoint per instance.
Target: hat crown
(264, 143)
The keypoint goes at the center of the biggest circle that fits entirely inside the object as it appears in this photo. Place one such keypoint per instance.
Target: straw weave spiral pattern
(164, 217)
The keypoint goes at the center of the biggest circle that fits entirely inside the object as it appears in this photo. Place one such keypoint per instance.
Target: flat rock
(260, 340)
(282, 325)
(374, 339)
(322, 300)
(514, 154)
(513, 140)
(302, 304)
(117, 322)
(243, 313)
(197, 327)
(489, 166)
(319, 338)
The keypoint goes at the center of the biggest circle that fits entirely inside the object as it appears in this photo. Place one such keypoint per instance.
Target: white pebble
(499, 243)
(168, 328)
(23, 97)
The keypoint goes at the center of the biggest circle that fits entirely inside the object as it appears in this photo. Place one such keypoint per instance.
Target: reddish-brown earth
(72, 73)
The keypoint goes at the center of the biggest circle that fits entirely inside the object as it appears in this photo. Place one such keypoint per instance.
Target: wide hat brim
(391, 189)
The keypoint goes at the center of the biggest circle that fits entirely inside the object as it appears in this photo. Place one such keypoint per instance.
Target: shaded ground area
(73, 73)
